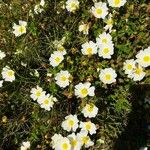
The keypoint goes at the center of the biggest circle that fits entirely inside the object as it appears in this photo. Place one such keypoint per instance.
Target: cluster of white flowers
(25, 145)
(135, 68)
(104, 46)
(58, 56)
(76, 140)
(46, 101)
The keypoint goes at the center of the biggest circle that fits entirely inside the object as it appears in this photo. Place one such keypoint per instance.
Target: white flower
(72, 5)
(128, 66)
(106, 50)
(108, 76)
(143, 57)
(74, 141)
(89, 48)
(56, 138)
(138, 74)
(64, 144)
(109, 23)
(2, 55)
(8, 74)
(56, 58)
(25, 145)
(84, 28)
(38, 8)
(20, 29)
(62, 78)
(82, 90)
(103, 39)
(47, 101)
(90, 110)
(1, 83)
(85, 139)
(100, 10)
(37, 92)
(116, 3)
(70, 123)
(88, 127)
(61, 49)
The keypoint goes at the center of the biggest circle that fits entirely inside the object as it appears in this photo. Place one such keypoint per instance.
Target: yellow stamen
(84, 91)
(107, 76)
(99, 11)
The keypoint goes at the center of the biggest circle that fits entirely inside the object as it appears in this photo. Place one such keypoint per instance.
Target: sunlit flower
(25, 145)
(61, 49)
(103, 39)
(1, 83)
(72, 5)
(56, 58)
(37, 92)
(20, 29)
(90, 110)
(89, 48)
(128, 66)
(39, 7)
(85, 139)
(108, 76)
(143, 57)
(84, 28)
(62, 78)
(47, 101)
(2, 55)
(64, 144)
(70, 123)
(74, 141)
(8, 74)
(106, 50)
(138, 73)
(88, 127)
(100, 10)
(116, 3)
(109, 23)
(56, 138)
(84, 89)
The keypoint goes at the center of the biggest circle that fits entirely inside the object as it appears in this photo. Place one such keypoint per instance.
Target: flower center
(138, 71)
(85, 139)
(106, 50)
(71, 123)
(10, 73)
(88, 126)
(117, 2)
(73, 5)
(99, 11)
(74, 143)
(65, 146)
(46, 101)
(129, 66)
(90, 108)
(38, 93)
(146, 59)
(63, 78)
(21, 29)
(57, 59)
(109, 22)
(89, 50)
(107, 76)
(84, 91)
(104, 40)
